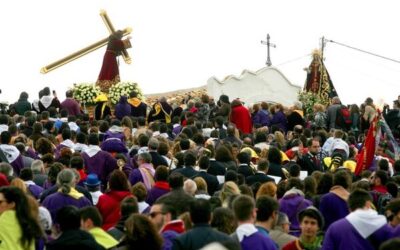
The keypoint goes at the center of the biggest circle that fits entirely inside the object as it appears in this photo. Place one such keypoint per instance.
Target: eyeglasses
(154, 214)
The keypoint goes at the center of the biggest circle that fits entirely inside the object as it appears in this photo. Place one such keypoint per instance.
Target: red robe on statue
(240, 116)
(109, 73)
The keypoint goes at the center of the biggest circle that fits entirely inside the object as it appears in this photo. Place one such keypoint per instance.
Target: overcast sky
(182, 43)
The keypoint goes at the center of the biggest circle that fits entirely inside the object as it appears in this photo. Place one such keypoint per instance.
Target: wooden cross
(90, 48)
(268, 63)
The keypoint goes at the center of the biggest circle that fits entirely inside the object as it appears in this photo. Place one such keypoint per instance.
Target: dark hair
(29, 225)
(129, 205)
(224, 220)
(140, 231)
(358, 198)
(223, 154)
(274, 155)
(54, 169)
(266, 206)
(204, 162)
(294, 170)
(314, 213)
(26, 174)
(184, 144)
(295, 182)
(190, 158)
(118, 181)
(5, 137)
(243, 207)
(163, 148)
(200, 211)
(392, 244)
(382, 175)
(243, 158)
(93, 214)
(77, 162)
(68, 218)
(93, 139)
(175, 180)
(81, 138)
(342, 178)
(325, 183)
(263, 164)
(161, 173)
(143, 140)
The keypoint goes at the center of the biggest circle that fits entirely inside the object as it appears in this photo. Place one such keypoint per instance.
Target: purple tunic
(35, 190)
(102, 164)
(291, 205)
(333, 208)
(135, 176)
(258, 241)
(342, 235)
(58, 200)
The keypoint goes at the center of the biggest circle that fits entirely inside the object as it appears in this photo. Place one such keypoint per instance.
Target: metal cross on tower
(268, 62)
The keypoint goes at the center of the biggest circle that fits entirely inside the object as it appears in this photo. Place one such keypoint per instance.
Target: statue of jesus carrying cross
(109, 73)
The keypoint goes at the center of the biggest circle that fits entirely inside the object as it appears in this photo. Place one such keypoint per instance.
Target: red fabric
(240, 116)
(380, 189)
(162, 185)
(366, 155)
(293, 245)
(176, 225)
(109, 69)
(82, 175)
(109, 207)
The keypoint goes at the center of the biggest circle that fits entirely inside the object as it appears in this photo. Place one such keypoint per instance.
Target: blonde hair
(319, 107)
(280, 138)
(201, 184)
(268, 188)
(228, 189)
(19, 183)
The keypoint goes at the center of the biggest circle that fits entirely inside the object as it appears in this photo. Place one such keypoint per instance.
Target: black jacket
(199, 236)
(74, 239)
(258, 177)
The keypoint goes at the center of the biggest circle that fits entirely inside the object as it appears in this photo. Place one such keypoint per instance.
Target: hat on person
(314, 213)
(92, 180)
(224, 98)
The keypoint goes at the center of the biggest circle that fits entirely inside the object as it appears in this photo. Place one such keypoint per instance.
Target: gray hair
(190, 187)
(146, 157)
(298, 105)
(282, 219)
(6, 169)
(153, 143)
(37, 166)
(66, 180)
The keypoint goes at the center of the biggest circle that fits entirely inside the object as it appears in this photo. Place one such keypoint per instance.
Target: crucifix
(268, 63)
(91, 47)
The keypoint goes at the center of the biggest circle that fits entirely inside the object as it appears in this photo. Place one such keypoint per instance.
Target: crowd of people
(196, 174)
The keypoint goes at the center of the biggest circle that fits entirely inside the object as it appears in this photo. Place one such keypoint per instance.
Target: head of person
(14, 199)
(90, 218)
(392, 212)
(268, 188)
(144, 158)
(244, 209)
(118, 181)
(66, 180)
(68, 218)
(380, 178)
(139, 191)
(141, 231)
(162, 212)
(359, 199)
(311, 222)
(200, 211)
(223, 219)
(313, 146)
(175, 180)
(267, 209)
(282, 223)
(274, 155)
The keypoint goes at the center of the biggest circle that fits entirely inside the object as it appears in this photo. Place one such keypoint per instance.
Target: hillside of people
(185, 170)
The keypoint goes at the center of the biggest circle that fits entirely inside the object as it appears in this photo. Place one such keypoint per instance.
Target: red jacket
(240, 116)
(109, 207)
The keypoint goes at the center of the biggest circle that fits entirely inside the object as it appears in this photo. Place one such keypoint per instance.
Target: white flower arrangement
(123, 88)
(85, 93)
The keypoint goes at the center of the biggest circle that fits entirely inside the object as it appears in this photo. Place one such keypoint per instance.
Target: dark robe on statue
(109, 73)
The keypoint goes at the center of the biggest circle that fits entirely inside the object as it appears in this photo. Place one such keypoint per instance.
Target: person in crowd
(190, 161)
(211, 180)
(267, 214)
(240, 116)
(19, 228)
(363, 228)
(27, 176)
(261, 175)
(92, 184)
(280, 232)
(275, 161)
(163, 215)
(296, 116)
(138, 107)
(140, 192)
(161, 111)
(292, 202)
(224, 108)
(261, 115)
(247, 233)
(11, 152)
(70, 104)
(202, 233)
(47, 101)
(332, 112)
(22, 105)
(123, 108)
(311, 161)
(333, 205)
(98, 161)
(140, 232)
(102, 110)
(244, 165)
(320, 119)
(278, 117)
(91, 222)
(66, 194)
(311, 222)
(156, 158)
(144, 173)
(161, 185)
(129, 206)
(392, 212)
(109, 202)
(369, 113)
(71, 236)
